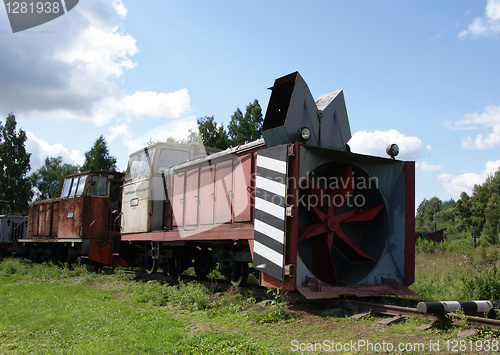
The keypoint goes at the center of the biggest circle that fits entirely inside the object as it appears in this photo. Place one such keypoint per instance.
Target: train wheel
(202, 267)
(239, 273)
(151, 258)
(172, 268)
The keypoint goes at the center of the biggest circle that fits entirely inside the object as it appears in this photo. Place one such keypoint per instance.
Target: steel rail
(390, 310)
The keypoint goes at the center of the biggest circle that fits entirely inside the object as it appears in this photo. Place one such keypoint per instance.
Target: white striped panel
(451, 306)
(268, 253)
(270, 231)
(484, 306)
(271, 164)
(275, 187)
(270, 208)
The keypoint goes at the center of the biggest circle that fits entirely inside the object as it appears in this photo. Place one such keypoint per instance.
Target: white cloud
(178, 129)
(424, 166)
(455, 185)
(489, 119)
(375, 143)
(68, 71)
(436, 37)
(150, 103)
(120, 9)
(487, 26)
(41, 149)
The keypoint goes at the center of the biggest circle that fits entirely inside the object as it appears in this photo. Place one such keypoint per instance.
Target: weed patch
(191, 295)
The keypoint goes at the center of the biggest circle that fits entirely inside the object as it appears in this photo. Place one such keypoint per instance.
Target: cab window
(171, 157)
(66, 187)
(98, 186)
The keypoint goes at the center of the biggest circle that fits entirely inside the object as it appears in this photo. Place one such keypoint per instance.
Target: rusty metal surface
(43, 218)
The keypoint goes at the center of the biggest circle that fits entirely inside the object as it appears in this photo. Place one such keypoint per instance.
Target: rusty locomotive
(298, 206)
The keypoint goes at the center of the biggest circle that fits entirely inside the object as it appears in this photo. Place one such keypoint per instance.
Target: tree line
(478, 214)
(19, 187)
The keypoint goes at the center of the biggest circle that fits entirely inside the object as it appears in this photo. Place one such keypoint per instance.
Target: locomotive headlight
(392, 150)
(305, 133)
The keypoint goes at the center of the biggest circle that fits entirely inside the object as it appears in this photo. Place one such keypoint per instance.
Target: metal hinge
(289, 211)
(288, 270)
(291, 150)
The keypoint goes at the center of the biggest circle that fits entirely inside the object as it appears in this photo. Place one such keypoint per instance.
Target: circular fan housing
(343, 226)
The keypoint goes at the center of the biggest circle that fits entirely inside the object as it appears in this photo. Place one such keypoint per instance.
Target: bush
(12, 266)
(484, 286)
(277, 309)
(190, 295)
(151, 292)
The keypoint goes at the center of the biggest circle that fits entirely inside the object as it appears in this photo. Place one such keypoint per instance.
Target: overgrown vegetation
(477, 215)
(73, 310)
(455, 270)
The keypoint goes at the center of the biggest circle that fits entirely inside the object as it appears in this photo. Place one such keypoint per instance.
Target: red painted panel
(409, 276)
(178, 199)
(55, 218)
(206, 195)
(41, 219)
(242, 188)
(191, 197)
(95, 217)
(47, 219)
(223, 191)
(70, 218)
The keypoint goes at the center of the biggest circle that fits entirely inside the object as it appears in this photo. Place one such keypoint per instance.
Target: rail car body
(83, 222)
(297, 205)
(12, 228)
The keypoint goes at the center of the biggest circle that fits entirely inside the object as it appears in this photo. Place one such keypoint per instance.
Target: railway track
(398, 311)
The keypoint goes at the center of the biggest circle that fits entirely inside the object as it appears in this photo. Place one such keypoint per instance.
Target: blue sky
(424, 75)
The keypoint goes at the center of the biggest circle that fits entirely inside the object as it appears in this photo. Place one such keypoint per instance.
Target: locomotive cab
(144, 188)
(82, 222)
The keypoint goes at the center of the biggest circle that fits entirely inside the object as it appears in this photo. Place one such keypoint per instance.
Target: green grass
(443, 274)
(55, 309)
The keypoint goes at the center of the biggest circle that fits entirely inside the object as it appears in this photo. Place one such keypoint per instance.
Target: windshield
(74, 186)
(98, 186)
(139, 164)
(171, 157)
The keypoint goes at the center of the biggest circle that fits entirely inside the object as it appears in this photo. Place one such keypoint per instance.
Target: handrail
(95, 220)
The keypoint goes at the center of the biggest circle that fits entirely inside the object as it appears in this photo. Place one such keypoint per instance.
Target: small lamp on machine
(392, 150)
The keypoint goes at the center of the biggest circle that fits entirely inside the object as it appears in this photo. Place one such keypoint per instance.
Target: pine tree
(14, 166)
(98, 157)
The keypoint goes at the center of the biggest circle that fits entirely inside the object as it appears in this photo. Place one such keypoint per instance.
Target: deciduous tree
(246, 128)
(48, 180)
(212, 134)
